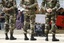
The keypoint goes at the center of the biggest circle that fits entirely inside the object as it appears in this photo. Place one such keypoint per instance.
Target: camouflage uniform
(50, 16)
(9, 17)
(29, 16)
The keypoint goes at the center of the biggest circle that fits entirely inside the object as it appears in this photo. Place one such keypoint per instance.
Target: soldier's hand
(11, 8)
(5, 9)
(49, 10)
(27, 7)
(24, 6)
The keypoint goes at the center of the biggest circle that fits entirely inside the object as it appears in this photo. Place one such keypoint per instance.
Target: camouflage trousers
(9, 23)
(29, 21)
(50, 17)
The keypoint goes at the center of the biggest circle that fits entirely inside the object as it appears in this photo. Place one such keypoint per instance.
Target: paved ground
(20, 38)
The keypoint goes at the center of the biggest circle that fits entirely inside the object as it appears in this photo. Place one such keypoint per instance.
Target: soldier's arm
(57, 6)
(33, 5)
(4, 9)
(22, 4)
(14, 5)
(43, 6)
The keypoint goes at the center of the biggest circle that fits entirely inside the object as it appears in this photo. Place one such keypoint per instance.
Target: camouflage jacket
(11, 5)
(53, 4)
(31, 4)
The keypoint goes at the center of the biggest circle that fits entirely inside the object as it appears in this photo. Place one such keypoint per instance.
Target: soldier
(9, 9)
(29, 16)
(50, 6)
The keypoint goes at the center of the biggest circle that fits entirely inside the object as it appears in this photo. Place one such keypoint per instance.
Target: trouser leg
(12, 27)
(47, 27)
(32, 26)
(6, 25)
(25, 27)
(53, 28)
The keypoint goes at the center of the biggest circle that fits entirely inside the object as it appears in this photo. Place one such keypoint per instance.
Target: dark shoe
(33, 39)
(12, 38)
(46, 39)
(55, 39)
(7, 38)
(26, 38)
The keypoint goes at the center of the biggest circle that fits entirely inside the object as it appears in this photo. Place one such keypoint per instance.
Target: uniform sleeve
(57, 5)
(21, 2)
(33, 5)
(14, 5)
(43, 5)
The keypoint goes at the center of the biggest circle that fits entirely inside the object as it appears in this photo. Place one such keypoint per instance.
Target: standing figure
(50, 6)
(1, 16)
(29, 16)
(9, 7)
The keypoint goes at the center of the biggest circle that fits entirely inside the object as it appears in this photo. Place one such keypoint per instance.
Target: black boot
(54, 39)
(26, 38)
(32, 37)
(11, 37)
(46, 37)
(6, 36)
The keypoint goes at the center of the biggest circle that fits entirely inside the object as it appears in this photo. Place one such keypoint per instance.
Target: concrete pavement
(20, 38)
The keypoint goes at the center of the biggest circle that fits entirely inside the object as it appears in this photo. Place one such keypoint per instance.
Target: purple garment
(18, 24)
(19, 20)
